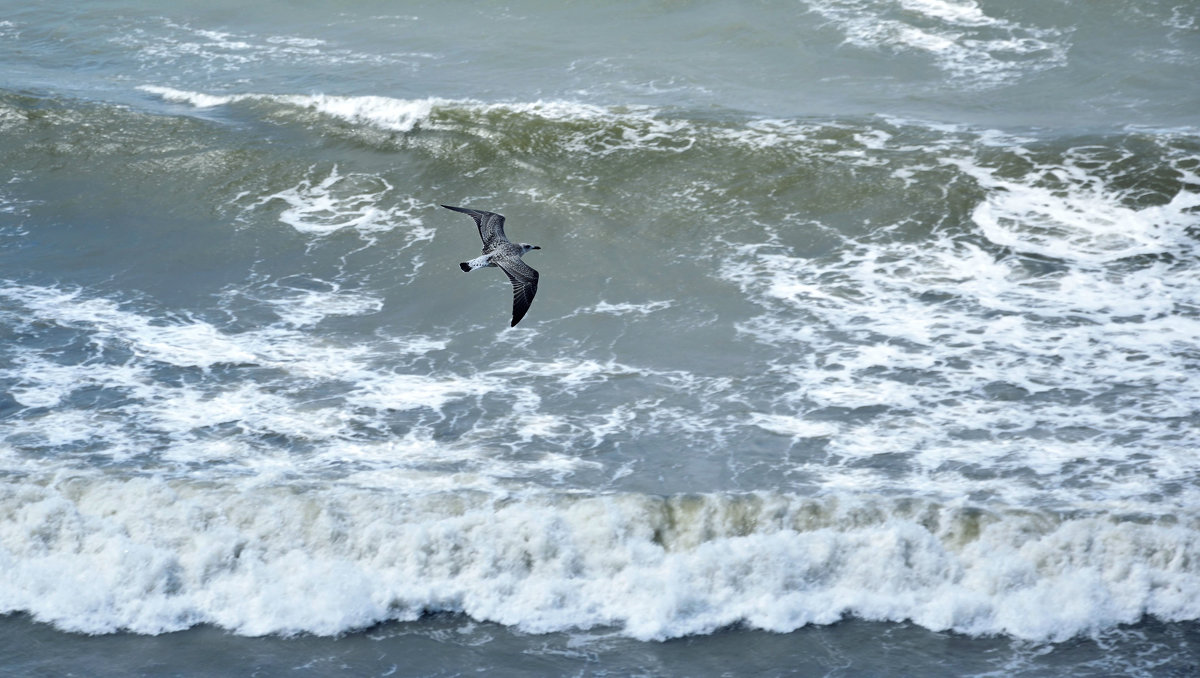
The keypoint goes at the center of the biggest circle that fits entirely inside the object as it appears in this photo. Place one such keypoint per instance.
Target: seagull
(499, 251)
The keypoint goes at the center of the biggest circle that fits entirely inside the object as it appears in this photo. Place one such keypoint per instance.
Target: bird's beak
(536, 247)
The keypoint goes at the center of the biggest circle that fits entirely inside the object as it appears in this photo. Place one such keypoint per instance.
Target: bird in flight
(499, 251)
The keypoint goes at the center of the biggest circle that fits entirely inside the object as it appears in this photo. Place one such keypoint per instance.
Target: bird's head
(525, 247)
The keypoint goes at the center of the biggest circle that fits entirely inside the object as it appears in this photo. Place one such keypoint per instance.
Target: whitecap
(963, 40)
(97, 555)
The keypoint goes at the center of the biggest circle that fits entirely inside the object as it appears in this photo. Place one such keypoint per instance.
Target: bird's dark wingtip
(464, 266)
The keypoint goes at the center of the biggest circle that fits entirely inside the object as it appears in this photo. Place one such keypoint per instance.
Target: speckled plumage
(500, 252)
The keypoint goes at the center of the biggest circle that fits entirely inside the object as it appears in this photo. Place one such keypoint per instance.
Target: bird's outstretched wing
(490, 224)
(524, 281)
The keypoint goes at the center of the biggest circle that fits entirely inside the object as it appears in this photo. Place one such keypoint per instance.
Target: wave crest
(100, 555)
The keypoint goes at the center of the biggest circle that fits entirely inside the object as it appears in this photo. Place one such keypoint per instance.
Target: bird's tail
(465, 267)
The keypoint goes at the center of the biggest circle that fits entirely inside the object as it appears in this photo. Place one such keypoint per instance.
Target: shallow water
(450, 645)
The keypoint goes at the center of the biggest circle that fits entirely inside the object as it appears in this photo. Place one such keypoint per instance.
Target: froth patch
(628, 308)
(254, 386)
(191, 48)
(309, 307)
(1036, 350)
(180, 343)
(794, 426)
(321, 205)
(276, 402)
(1062, 211)
(962, 39)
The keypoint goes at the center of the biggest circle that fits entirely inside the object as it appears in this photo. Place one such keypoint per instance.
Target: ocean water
(867, 341)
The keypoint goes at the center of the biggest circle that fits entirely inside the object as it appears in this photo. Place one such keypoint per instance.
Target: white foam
(275, 403)
(771, 133)
(1083, 221)
(645, 308)
(180, 342)
(197, 99)
(296, 42)
(384, 112)
(960, 37)
(11, 118)
(168, 42)
(399, 115)
(98, 555)
(957, 12)
(794, 426)
(322, 205)
(961, 357)
(9, 31)
(612, 129)
(309, 307)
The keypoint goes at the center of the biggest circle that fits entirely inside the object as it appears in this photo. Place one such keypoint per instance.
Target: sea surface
(867, 340)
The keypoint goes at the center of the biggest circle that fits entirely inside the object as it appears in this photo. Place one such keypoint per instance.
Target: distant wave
(160, 40)
(604, 129)
(958, 35)
(384, 112)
